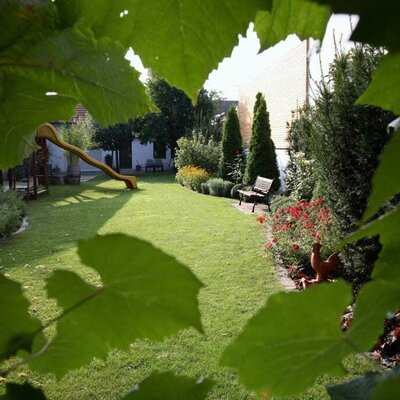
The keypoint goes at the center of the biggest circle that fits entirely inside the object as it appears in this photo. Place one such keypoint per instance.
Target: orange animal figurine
(322, 268)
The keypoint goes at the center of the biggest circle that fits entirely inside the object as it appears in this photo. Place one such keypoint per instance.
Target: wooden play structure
(31, 179)
(48, 132)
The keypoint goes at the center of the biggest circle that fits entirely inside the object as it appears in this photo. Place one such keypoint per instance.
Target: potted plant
(79, 134)
(138, 166)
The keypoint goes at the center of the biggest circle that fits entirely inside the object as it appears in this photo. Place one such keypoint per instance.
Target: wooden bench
(260, 190)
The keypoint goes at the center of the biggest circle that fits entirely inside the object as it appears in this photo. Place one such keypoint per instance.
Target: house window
(159, 150)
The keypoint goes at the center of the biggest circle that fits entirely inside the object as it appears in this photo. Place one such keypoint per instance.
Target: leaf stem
(31, 357)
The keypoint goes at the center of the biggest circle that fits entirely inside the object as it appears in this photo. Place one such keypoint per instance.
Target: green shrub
(262, 157)
(205, 189)
(278, 201)
(12, 209)
(219, 187)
(234, 190)
(300, 177)
(231, 143)
(192, 177)
(345, 140)
(227, 188)
(216, 186)
(198, 151)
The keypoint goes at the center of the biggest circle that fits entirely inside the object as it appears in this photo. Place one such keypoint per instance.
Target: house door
(125, 157)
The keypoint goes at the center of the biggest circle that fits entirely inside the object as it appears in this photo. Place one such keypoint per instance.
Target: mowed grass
(223, 247)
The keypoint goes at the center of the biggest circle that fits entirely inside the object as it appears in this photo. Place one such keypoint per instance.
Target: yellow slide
(48, 132)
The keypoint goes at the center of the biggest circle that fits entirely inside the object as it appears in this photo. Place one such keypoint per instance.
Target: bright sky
(246, 60)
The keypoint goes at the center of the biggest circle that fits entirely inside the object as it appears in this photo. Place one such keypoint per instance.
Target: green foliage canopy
(262, 157)
(231, 143)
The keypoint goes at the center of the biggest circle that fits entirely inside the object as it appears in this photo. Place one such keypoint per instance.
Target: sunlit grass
(222, 246)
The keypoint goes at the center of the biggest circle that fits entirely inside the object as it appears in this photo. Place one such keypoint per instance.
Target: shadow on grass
(57, 221)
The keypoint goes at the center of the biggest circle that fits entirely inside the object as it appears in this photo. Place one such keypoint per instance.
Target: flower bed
(294, 230)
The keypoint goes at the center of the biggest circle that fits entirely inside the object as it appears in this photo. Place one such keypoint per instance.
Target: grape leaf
(302, 17)
(388, 389)
(388, 229)
(292, 340)
(181, 41)
(167, 386)
(22, 392)
(385, 86)
(360, 388)
(145, 294)
(386, 180)
(374, 27)
(23, 107)
(381, 296)
(78, 68)
(17, 327)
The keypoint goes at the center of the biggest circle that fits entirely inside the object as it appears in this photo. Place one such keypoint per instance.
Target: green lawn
(222, 246)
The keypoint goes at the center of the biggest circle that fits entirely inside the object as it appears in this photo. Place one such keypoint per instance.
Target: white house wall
(140, 154)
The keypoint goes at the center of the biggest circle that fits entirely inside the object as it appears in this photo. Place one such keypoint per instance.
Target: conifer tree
(262, 157)
(231, 143)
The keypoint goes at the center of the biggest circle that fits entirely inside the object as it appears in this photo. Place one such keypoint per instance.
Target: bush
(198, 151)
(219, 187)
(227, 188)
(300, 177)
(192, 177)
(262, 157)
(12, 209)
(234, 190)
(297, 227)
(279, 201)
(231, 143)
(205, 189)
(345, 140)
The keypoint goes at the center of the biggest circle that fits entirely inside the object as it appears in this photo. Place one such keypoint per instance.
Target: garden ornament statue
(322, 268)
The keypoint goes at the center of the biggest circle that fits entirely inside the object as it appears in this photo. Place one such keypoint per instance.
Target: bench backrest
(262, 184)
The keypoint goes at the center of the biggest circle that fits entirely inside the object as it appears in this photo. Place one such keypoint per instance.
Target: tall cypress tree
(262, 157)
(231, 143)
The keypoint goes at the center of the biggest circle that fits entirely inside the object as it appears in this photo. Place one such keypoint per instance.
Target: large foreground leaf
(145, 294)
(386, 181)
(167, 386)
(17, 327)
(382, 295)
(292, 340)
(22, 392)
(302, 17)
(180, 40)
(384, 90)
(378, 20)
(77, 67)
(363, 387)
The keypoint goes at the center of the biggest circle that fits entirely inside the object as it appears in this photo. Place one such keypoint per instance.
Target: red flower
(276, 226)
(261, 219)
(268, 245)
(295, 246)
(316, 235)
(309, 224)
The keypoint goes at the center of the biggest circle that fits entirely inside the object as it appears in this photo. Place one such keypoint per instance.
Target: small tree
(231, 143)
(79, 134)
(262, 157)
(114, 138)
